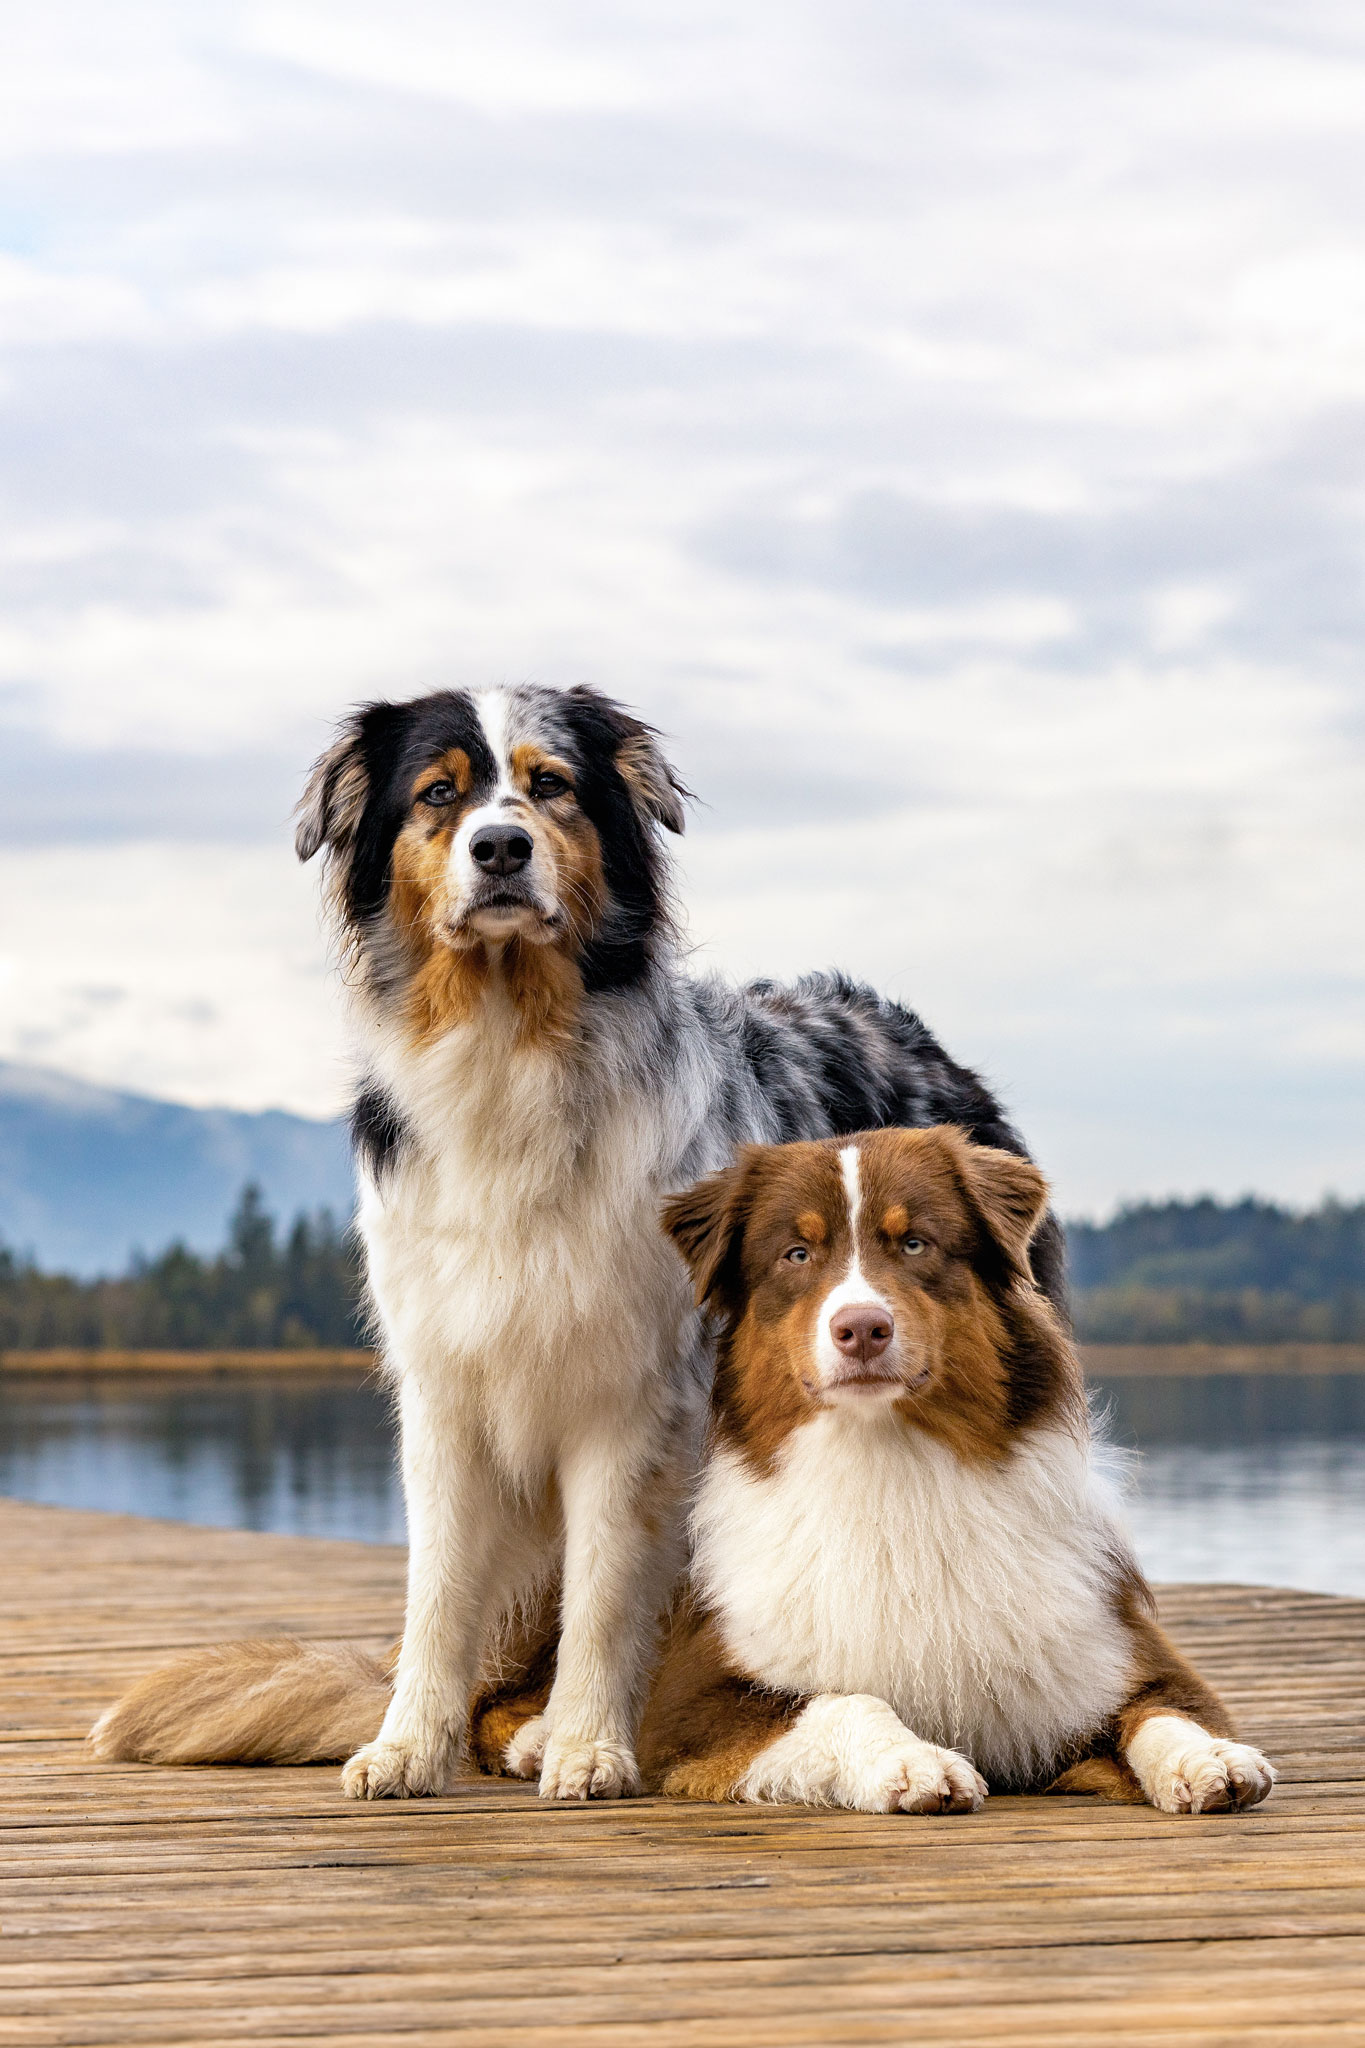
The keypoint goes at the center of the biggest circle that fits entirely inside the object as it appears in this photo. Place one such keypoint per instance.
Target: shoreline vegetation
(1101, 1361)
(1161, 1276)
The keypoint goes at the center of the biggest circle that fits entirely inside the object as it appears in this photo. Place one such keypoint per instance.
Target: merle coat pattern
(539, 1073)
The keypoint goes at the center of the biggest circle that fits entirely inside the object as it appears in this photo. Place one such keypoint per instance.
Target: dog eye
(546, 784)
(438, 793)
(913, 1246)
(797, 1256)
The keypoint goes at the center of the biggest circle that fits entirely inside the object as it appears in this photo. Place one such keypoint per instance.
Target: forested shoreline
(1244, 1272)
(263, 1291)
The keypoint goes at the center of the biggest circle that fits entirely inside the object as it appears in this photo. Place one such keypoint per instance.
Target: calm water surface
(1256, 1478)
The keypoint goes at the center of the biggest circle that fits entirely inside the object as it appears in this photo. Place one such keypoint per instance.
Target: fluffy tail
(269, 1701)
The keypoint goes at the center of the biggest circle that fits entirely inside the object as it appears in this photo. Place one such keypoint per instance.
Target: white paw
(853, 1749)
(573, 1768)
(394, 1770)
(1210, 1776)
(525, 1752)
(918, 1777)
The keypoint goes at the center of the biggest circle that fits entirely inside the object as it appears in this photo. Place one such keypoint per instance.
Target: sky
(946, 423)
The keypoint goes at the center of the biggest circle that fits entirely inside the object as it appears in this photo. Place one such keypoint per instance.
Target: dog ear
(704, 1222)
(657, 790)
(333, 801)
(1010, 1197)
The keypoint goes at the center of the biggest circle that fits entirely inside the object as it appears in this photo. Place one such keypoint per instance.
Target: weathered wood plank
(221, 1906)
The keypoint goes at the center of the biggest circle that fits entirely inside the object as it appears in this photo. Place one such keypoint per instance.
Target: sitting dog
(908, 1579)
(540, 1072)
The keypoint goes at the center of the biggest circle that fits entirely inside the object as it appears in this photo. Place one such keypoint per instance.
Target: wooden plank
(228, 1905)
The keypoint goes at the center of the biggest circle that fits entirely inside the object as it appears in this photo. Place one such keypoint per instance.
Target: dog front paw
(525, 1753)
(395, 1770)
(575, 1768)
(1213, 1776)
(919, 1777)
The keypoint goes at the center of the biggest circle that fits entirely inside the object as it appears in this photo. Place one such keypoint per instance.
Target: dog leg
(455, 1537)
(617, 1568)
(854, 1750)
(1183, 1769)
(1177, 1737)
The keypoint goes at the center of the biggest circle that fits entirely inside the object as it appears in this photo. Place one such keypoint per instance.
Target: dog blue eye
(797, 1256)
(914, 1246)
(438, 793)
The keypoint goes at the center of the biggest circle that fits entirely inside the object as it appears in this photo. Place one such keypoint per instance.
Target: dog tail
(273, 1700)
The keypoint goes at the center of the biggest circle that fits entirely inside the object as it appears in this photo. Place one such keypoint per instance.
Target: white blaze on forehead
(854, 1286)
(493, 708)
(850, 1168)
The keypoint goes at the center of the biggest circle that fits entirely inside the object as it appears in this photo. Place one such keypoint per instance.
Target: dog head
(886, 1272)
(463, 829)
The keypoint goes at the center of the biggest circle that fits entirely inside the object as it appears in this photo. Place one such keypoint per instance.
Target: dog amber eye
(438, 793)
(913, 1246)
(797, 1256)
(545, 784)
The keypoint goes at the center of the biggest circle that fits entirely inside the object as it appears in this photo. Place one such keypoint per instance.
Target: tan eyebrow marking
(527, 759)
(453, 767)
(896, 1222)
(812, 1226)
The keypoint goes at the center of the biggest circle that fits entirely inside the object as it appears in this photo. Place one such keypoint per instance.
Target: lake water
(1254, 1479)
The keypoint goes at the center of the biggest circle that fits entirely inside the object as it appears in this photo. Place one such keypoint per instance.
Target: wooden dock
(226, 1906)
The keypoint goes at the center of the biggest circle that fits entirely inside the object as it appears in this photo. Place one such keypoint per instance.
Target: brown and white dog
(539, 1072)
(909, 1581)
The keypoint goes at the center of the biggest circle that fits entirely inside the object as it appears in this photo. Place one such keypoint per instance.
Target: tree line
(1160, 1272)
(261, 1292)
(1244, 1272)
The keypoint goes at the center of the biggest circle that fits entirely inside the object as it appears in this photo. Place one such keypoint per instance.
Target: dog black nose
(501, 849)
(862, 1330)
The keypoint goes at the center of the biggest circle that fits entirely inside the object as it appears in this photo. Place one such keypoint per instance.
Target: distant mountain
(89, 1175)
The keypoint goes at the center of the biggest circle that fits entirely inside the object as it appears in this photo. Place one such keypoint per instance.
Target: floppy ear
(704, 1222)
(1009, 1195)
(657, 790)
(333, 801)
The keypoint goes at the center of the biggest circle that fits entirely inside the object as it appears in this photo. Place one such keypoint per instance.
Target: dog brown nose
(862, 1330)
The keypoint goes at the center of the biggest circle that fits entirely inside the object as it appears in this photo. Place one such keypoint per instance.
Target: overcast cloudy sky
(947, 423)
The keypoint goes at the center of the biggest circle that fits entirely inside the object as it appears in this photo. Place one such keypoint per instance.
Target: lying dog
(540, 1073)
(908, 1580)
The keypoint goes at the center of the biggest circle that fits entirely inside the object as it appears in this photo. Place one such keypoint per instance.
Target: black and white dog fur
(540, 1073)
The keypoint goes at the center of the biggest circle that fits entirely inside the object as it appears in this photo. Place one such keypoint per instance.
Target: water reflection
(1255, 1477)
(1233, 1408)
(304, 1457)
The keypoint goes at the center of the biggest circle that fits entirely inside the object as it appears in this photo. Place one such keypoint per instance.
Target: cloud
(195, 972)
(1265, 560)
(56, 795)
(946, 424)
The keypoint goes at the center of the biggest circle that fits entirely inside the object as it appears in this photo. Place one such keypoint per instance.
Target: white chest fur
(514, 1250)
(975, 1599)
